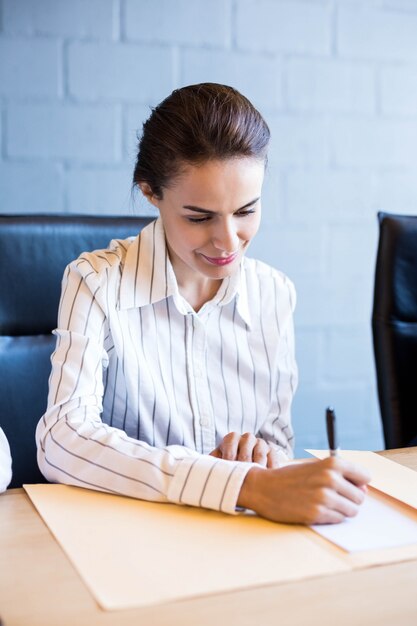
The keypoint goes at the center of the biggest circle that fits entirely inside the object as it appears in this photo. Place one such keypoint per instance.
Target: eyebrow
(198, 209)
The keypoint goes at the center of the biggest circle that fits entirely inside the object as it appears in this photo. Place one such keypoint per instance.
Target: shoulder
(112, 260)
(99, 262)
(270, 280)
(98, 269)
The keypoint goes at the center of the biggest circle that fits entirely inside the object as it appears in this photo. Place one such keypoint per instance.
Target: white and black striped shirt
(142, 387)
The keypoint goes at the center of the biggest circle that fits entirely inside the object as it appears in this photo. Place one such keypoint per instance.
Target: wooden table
(39, 586)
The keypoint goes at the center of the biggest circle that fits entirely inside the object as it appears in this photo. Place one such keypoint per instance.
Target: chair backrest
(34, 251)
(394, 325)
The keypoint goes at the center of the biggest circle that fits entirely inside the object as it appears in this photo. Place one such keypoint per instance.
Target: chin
(222, 272)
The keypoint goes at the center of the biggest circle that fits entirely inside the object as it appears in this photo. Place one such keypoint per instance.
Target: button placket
(205, 410)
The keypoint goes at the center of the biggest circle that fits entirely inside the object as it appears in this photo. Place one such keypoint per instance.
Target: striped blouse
(143, 388)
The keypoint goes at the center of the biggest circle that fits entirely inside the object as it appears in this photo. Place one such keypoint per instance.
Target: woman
(174, 369)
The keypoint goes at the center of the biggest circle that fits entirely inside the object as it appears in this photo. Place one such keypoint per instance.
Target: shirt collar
(235, 287)
(148, 276)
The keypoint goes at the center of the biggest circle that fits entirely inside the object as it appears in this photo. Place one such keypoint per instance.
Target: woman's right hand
(319, 492)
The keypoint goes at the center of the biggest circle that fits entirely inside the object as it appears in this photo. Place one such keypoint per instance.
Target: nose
(225, 237)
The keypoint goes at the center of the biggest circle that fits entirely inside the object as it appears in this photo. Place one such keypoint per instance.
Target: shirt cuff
(205, 481)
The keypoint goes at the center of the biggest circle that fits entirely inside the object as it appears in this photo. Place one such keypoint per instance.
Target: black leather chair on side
(34, 250)
(394, 325)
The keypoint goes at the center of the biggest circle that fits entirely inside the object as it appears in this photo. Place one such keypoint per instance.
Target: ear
(148, 193)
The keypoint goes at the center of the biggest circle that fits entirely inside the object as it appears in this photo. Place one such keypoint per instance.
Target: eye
(244, 213)
(198, 220)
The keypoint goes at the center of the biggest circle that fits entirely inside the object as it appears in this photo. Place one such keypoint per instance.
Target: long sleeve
(75, 446)
(5, 462)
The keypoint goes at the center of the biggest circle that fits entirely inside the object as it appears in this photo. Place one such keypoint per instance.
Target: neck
(196, 288)
(197, 294)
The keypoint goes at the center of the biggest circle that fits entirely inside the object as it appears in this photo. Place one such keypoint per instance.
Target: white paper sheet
(379, 524)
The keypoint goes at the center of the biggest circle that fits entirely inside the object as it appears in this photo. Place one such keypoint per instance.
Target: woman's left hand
(247, 447)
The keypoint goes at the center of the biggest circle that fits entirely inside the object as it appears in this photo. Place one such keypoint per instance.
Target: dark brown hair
(196, 124)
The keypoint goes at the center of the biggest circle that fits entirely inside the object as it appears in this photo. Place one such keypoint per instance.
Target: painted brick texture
(337, 83)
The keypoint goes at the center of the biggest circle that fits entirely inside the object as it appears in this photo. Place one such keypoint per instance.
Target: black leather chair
(394, 325)
(34, 250)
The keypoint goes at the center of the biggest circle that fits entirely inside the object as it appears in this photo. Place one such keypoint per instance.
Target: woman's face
(210, 214)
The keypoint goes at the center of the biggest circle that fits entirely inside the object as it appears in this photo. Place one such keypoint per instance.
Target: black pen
(332, 431)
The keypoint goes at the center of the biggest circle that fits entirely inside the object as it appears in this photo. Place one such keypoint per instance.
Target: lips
(221, 260)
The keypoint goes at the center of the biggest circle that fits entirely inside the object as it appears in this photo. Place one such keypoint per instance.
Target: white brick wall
(336, 80)
(366, 31)
(63, 131)
(119, 72)
(399, 90)
(184, 22)
(60, 18)
(330, 86)
(301, 27)
(29, 68)
(258, 75)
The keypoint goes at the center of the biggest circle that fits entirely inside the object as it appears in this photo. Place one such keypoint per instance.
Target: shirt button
(204, 422)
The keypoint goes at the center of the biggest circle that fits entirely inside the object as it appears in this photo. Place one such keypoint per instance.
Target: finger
(343, 506)
(216, 452)
(229, 447)
(260, 453)
(350, 491)
(247, 443)
(273, 459)
(356, 474)
(324, 515)
(331, 508)
(336, 482)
